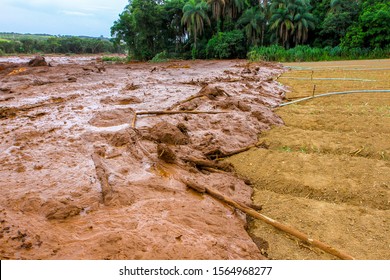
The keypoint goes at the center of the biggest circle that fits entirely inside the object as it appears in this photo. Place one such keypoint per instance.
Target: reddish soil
(81, 178)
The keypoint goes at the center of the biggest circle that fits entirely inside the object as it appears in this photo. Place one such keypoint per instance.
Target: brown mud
(327, 171)
(94, 157)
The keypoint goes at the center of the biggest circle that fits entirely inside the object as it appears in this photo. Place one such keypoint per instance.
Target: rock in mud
(37, 61)
(61, 211)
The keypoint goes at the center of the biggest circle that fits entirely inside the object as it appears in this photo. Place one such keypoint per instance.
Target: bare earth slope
(327, 171)
(82, 176)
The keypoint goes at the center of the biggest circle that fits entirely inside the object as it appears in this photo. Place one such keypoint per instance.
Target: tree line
(232, 28)
(21, 43)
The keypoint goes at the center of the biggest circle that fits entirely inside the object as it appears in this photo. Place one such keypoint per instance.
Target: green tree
(372, 30)
(341, 15)
(226, 45)
(252, 21)
(194, 18)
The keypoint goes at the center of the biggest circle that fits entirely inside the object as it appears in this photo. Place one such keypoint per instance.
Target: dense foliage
(21, 43)
(229, 28)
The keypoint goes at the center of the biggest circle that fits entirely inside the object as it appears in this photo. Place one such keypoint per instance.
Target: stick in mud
(253, 213)
(180, 112)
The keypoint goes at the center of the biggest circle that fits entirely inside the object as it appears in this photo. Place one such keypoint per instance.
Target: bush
(226, 45)
(160, 57)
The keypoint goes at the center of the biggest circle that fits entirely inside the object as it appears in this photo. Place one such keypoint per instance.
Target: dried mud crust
(84, 177)
(327, 171)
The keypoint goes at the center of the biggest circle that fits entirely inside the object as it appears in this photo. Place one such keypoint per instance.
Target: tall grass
(306, 53)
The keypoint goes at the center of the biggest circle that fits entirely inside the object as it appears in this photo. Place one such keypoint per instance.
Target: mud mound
(120, 100)
(112, 117)
(37, 61)
(212, 92)
(167, 133)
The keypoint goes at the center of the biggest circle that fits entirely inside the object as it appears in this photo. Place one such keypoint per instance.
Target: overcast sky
(60, 17)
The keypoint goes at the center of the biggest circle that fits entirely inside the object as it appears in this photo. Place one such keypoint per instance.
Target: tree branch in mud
(180, 112)
(133, 124)
(253, 213)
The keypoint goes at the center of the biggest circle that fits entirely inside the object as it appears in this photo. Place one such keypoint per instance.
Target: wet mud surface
(94, 158)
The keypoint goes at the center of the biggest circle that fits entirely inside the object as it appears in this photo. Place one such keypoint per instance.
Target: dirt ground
(95, 158)
(327, 171)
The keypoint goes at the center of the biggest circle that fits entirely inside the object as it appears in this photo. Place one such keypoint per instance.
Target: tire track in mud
(327, 171)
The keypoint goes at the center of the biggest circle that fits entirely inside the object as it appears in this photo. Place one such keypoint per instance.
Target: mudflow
(94, 157)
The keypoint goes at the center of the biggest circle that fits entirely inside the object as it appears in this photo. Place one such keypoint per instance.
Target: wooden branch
(134, 120)
(253, 213)
(179, 112)
(102, 174)
(218, 154)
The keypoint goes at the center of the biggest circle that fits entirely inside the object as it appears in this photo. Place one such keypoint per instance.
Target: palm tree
(263, 5)
(252, 20)
(282, 21)
(217, 7)
(194, 17)
(233, 8)
(302, 22)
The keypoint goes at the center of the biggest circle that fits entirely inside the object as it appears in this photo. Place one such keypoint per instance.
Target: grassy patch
(115, 59)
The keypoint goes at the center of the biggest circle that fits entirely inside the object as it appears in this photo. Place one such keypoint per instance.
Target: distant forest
(11, 43)
(277, 30)
(266, 29)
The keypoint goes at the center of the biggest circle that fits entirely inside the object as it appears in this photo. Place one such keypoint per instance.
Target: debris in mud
(165, 153)
(37, 61)
(130, 87)
(202, 163)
